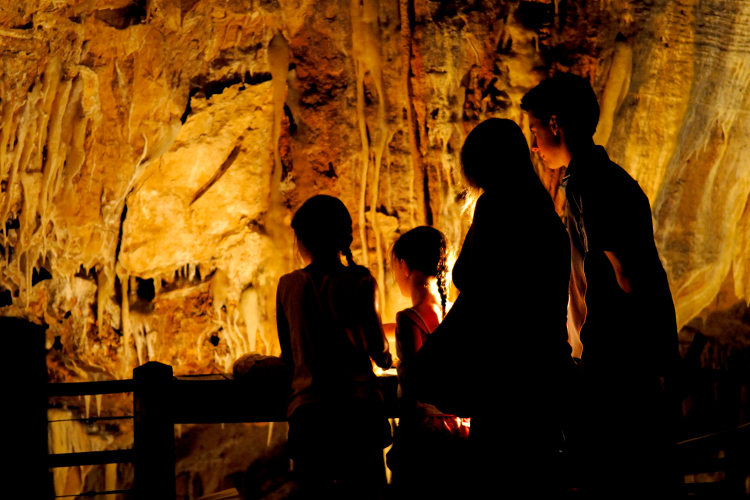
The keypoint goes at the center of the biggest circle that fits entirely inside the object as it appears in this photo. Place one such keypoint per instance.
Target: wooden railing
(161, 400)
(715, 465)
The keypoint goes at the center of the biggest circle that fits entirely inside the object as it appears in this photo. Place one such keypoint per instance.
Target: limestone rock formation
(152, 151)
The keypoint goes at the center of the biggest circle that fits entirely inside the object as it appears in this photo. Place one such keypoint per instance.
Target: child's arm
(282, 327)
(372, 327)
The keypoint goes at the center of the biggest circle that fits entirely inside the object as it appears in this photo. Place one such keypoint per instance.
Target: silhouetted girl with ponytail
(428, 443)
(329, 329)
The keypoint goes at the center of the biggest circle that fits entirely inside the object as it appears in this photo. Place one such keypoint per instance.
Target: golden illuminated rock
(152, 153)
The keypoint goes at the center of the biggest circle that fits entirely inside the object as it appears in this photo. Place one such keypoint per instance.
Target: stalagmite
(110, 480)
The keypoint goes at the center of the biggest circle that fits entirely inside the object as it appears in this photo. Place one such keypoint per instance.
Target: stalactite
(414, 76)
(279, 56)
(7, 132)
(278, 60)
(251, 315)
(365, 164)
(374, 204)
(67, 435)
(406, 51)
(34, 162)
(615, 90)
(228, 313)
(152, 338)
(87, 406)
(105, 289)
(367, 61)
(125, 326)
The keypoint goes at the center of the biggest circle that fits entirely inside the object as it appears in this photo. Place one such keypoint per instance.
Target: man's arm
(620, 275)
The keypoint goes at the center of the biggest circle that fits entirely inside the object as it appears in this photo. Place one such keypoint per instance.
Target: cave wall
(152, 151)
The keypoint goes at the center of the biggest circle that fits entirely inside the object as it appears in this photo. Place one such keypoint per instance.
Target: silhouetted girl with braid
(428, 443)
(329, 329)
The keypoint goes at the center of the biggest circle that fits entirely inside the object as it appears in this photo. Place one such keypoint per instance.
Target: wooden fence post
(154, 432)
(26, 399)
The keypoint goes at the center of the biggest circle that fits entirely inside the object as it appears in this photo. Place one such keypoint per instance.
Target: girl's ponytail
(442, 275)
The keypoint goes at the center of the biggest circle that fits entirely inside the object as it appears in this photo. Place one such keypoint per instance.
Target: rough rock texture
(153, 151)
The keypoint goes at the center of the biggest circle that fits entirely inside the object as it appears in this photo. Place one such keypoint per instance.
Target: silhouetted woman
(329, 328)
(501, 354)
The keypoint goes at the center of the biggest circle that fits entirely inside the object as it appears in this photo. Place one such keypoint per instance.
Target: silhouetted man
(619, 300)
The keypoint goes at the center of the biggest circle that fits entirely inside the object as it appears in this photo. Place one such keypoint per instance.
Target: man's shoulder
(604, 176)
(599, 164)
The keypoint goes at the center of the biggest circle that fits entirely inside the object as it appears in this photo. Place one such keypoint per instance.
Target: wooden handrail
(61, 389)
(90, 458)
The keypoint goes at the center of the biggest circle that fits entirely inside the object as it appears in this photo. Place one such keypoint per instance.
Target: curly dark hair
(425, 249)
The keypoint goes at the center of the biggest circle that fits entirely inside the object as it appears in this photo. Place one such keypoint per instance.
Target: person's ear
(404, 268)
(554, 126)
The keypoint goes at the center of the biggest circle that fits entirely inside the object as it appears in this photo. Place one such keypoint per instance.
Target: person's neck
(424, 293)
(581, 149)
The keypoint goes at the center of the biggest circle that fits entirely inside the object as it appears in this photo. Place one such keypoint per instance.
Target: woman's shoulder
(488, 202)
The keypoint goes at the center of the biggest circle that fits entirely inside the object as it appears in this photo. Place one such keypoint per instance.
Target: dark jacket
(501, 353)
(608, 211)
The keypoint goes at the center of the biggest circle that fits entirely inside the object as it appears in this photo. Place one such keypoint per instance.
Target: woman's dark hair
(425, 249)
(571, 99)
(495, 153)
(323, 225)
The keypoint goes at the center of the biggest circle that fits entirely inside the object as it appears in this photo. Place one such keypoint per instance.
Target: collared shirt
(577, 286)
